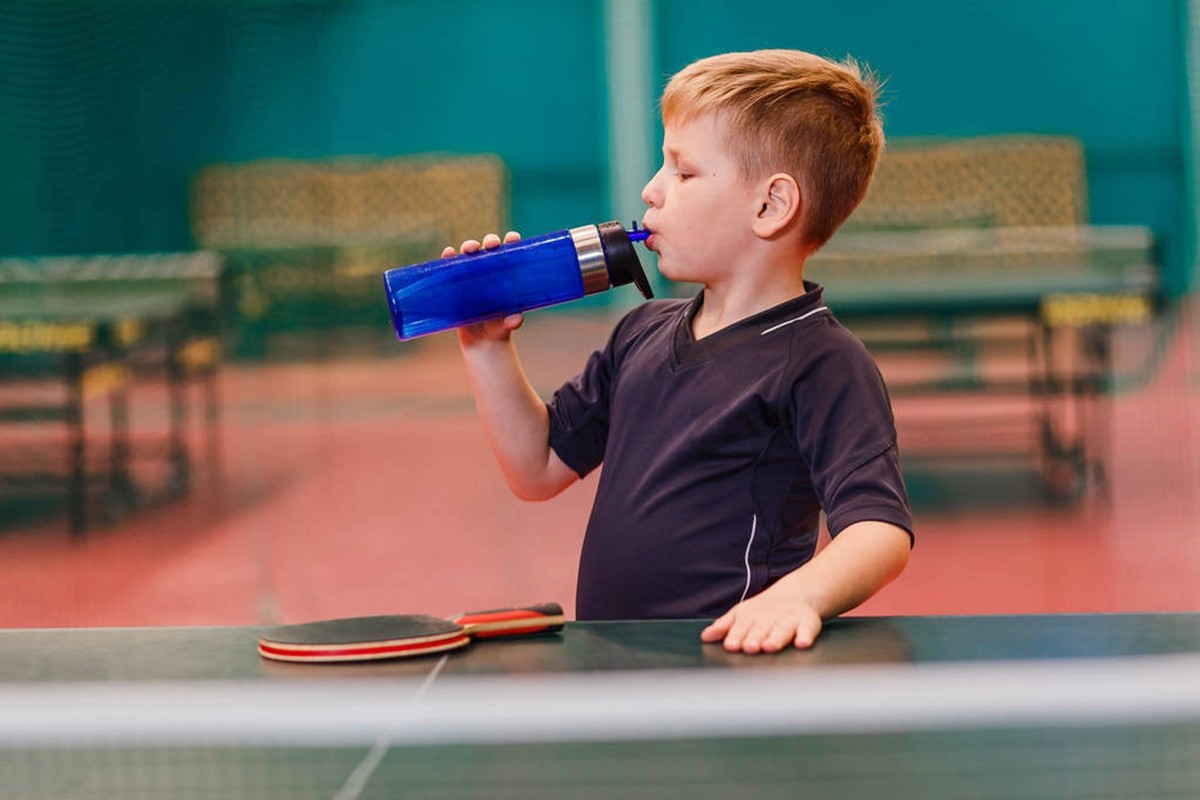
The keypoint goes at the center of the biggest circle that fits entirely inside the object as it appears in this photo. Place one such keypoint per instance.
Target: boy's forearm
(856, 564)
(515, 420)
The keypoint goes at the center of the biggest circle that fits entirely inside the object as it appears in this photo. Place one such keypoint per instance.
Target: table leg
(76, 450)
(180, 478)
(122, 491)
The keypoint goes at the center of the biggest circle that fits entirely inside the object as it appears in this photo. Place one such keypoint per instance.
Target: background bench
(306, 241)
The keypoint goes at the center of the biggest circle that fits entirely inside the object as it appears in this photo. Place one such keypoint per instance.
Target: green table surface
(986, 270)
(229, 653)
(92, 308)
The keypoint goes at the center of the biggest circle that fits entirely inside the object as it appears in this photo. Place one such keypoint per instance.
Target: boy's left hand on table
(765, 624)
(853, 567)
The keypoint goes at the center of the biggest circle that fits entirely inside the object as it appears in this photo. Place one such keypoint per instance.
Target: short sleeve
(579, 410)
(579, 413)
(873, 491)
(846, 431)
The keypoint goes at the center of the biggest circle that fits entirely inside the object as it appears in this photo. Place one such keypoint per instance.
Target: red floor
(364, 486)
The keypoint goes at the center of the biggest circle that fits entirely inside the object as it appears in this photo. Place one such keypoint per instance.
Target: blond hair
(794, 112)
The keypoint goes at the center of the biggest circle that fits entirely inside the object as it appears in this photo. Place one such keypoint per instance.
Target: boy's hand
(765, 623)
(493, 329)
(852, 567)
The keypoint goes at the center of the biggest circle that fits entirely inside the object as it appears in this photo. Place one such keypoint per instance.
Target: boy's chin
(673, 272)
(680, 276)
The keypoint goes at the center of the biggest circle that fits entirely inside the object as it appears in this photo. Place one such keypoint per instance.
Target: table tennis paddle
(402, 635)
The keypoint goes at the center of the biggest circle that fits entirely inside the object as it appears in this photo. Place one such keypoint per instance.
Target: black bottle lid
(621, 259)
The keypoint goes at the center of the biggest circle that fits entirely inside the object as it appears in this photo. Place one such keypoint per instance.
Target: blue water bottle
(519, 276)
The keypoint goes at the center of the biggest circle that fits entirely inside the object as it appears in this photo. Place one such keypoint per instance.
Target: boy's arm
(514, 418)
(857, 563)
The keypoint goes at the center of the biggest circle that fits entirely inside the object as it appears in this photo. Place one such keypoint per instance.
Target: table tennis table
(1048, 299)
(1081, 706)
(94, 324)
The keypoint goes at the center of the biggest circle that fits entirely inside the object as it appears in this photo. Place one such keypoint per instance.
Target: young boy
(728, 422)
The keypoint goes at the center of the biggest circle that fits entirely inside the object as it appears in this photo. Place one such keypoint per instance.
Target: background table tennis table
(95, 325)
(1015, 327)
(879, 707)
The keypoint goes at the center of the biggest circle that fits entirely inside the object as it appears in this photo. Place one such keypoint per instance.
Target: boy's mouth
(648, 242)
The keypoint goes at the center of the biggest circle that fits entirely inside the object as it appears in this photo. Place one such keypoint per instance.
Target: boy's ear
(779, 205)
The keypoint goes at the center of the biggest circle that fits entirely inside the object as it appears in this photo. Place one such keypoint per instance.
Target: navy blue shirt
(721, 453)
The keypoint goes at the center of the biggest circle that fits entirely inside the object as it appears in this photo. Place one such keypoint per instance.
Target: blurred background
(205, 417)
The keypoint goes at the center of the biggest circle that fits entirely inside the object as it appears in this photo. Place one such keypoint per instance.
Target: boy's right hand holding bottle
(493, 329)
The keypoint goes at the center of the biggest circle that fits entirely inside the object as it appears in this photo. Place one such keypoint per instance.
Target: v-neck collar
(689, 350)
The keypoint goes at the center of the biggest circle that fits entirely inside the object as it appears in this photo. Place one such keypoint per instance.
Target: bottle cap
(621, 259)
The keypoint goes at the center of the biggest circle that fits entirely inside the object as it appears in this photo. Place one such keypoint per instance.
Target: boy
(728, 422)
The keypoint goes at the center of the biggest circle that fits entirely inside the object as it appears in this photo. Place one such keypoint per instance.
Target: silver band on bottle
(590, 252)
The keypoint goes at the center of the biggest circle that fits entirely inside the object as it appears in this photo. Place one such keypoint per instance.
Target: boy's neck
(727, 303)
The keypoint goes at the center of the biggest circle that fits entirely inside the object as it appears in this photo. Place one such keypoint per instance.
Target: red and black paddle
(402, 635)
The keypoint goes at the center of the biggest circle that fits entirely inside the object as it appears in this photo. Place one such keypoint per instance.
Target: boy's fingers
(718, 629)
(741, 636)
(806, 634)
(779, 637)
(757, 638)
(747, 635)
(474, 245)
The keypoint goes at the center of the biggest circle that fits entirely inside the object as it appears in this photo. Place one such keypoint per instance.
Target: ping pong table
(1082, 706)
(95, 324)
(1022, 318)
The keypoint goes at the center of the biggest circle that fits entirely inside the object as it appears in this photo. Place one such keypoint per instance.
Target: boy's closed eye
(683, 171)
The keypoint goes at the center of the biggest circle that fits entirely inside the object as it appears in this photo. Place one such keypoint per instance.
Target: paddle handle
(497, 622)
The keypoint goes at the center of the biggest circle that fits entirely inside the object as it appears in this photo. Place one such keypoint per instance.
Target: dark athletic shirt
(721, 453)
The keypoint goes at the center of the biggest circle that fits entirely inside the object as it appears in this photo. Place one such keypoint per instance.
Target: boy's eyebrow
(674, 154)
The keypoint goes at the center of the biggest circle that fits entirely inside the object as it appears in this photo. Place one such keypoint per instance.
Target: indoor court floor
(361, 484)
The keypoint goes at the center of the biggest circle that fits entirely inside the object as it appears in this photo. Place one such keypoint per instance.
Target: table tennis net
(1127, 728)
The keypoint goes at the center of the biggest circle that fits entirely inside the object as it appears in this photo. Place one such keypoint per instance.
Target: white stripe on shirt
(797, 319)
(753, 529)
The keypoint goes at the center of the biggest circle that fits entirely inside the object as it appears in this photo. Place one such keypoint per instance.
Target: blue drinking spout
(637, 234)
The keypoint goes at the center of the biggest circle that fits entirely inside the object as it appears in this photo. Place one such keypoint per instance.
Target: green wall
(107, 108)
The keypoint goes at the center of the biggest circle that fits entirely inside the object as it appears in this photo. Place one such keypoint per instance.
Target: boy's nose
(650, 194)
